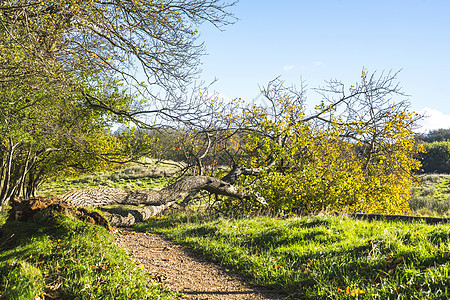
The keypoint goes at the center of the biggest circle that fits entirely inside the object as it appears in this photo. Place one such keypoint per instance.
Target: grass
(132, 176)
(56, 256)
(323, 257)
(432, 196)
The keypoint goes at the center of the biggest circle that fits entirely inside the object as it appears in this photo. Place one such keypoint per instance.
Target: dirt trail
(182, 270)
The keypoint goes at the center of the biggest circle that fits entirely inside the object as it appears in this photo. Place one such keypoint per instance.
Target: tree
(437, 135)
(45, 134)
(67, 73)
(83, 55)
(116, 40)
(356, 152)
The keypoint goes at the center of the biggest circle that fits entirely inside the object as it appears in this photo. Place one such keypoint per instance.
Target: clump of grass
(323, 256)
(62, 257)
(430, 207)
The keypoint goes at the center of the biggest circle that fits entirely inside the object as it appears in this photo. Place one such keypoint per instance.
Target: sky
(319, 40)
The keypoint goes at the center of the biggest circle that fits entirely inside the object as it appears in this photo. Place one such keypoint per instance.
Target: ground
(181, 269)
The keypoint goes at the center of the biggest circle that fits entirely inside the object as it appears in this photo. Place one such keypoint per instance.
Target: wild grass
(59, 257)
(131, 176)
(432, 196)
(323, 257)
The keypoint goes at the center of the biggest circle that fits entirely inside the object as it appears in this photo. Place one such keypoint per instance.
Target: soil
(180, 269)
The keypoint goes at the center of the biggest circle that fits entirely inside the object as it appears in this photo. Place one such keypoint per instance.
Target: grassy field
(432, 196)
(133, 176)
(323, 257)
(59, 257)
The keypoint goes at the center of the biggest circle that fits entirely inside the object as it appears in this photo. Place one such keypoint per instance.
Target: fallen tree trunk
(154, 201)
(230, 179)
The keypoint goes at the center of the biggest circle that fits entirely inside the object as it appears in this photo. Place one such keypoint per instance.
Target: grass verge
(323, 257)
(58, 257)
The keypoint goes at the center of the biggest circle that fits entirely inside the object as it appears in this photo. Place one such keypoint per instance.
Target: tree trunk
(230, 179)
(154, 201)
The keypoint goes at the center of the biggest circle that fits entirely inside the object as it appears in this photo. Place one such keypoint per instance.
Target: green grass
(65, 258)
(133, 177)
(432, 196)
(323, 257)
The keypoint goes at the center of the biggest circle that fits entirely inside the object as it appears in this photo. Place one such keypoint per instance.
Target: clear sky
(319, 40)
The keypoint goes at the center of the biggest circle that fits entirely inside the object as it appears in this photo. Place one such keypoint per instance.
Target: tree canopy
(355, 152)
(68, 71)
(436, 135)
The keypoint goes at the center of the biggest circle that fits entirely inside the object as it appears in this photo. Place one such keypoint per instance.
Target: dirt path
(181, 269)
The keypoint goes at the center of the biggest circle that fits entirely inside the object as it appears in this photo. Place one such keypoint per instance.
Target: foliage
(67, 73)
(65, 258)
(113, 39)
(436, 135)
(358, 158)
(39, 132)
(436, 159)
(323, 257)
(52, 133)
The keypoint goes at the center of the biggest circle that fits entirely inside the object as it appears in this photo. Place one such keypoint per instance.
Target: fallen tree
(154, 201)
(359, 159)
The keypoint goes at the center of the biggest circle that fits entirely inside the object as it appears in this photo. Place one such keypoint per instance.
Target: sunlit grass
(324, 257)
(133, 177)
(432, 196)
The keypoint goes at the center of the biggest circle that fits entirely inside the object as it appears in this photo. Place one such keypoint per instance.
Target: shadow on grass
(21, 243)
(18, 233)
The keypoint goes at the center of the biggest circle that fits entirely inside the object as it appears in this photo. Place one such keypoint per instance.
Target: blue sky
(334, 39)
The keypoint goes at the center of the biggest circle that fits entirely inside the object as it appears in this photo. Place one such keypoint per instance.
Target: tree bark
(231, 178)
(154, 201)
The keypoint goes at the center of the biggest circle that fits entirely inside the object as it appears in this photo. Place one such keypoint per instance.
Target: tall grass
(131, 176)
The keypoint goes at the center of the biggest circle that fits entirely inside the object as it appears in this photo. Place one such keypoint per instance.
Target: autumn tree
(68, 71)
(355, 152)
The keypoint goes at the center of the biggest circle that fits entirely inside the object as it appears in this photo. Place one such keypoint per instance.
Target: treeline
(436, 159)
